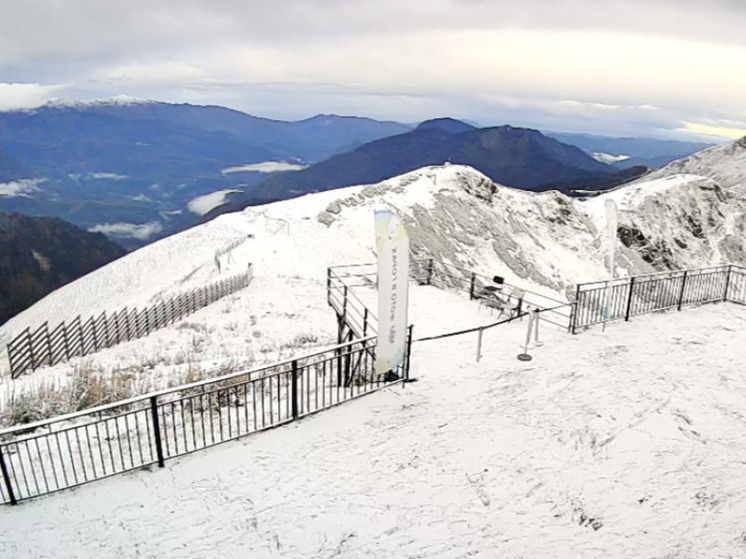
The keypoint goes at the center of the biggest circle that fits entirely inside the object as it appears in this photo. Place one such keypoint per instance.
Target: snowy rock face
(457, 215)
(690, 213)
(725, 165)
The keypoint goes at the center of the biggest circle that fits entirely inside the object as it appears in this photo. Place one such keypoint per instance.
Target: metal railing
(622, 298)
(440, 274)
(71, 450)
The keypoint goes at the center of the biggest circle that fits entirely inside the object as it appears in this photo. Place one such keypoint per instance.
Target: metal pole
(479, 344)
(156, 430)
(6, 478)
(629, 298)
(607, 302)
(329, 286)
(409, 353)
(727, 282)
(536, 328)
(294, 394)
(681, 293)
(574, 314)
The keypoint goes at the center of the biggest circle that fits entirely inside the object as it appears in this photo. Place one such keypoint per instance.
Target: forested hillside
(40, 254)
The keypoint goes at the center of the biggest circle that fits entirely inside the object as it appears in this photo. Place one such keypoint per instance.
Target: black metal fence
(348, 306)
(32, 349)
(436, 273)
(75, 449)
(620, 299)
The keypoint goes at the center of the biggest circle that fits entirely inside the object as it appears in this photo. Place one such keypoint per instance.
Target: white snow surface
(543, 242)
(118, 100)
(623, 443)
(724, 164)
(615, 444)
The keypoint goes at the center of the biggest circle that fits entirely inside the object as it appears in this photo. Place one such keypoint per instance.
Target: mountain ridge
(142, 163)
(517, 157)
(545, 241)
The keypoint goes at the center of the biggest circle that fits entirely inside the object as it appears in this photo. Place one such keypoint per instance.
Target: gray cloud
(565, 60)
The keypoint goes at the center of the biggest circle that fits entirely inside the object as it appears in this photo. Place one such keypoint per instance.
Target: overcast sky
(652, 67)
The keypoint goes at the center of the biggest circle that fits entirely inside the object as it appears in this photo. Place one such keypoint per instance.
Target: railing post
(681, 293)
(365, 322)
(344, 303)
(294, 389)
(157, 430)
(329, 286)
(727, 282)
(471, 286)
(575, 310)
(6, 478)
(629, 298)
(479, 343)
(429, 271)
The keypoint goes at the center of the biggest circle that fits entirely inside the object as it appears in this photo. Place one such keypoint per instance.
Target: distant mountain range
(40, 254)
(141, 170)
(624, 153)
(131, 168)
(518, 157)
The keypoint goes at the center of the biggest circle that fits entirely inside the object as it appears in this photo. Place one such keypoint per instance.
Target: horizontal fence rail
(225, 249)
(47, 345)
(429, 272)
(48, 456)
(623, 298)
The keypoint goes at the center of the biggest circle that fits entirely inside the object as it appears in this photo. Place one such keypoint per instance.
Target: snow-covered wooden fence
(47, 345)
(235, 243)
(51, 455)
(631, 296)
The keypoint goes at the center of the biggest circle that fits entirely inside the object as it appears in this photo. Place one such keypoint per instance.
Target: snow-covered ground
(624, 443)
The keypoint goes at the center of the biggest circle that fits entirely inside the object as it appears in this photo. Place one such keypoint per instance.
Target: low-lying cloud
(203, 204)
(264, 167)
(121, 230)
(22, 187)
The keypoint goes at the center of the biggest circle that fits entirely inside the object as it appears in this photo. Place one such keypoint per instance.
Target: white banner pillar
(392, 245)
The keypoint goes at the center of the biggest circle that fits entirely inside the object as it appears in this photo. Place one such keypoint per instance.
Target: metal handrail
(190, 386)
(670, 273)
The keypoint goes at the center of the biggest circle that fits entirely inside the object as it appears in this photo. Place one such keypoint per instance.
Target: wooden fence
(47, 345)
